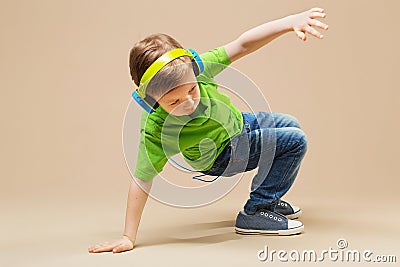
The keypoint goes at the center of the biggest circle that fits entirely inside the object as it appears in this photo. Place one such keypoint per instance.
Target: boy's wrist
(288, 23)
(131, 238)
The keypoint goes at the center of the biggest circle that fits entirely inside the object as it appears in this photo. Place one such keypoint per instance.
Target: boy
(264, 212)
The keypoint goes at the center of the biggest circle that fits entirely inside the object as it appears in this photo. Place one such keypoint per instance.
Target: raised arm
(253, 39)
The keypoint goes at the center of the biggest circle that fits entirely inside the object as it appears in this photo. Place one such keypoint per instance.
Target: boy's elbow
(235, 50)
(144, 184)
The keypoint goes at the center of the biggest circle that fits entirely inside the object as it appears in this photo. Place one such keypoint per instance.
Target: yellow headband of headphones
(139, 94)
(157, 65)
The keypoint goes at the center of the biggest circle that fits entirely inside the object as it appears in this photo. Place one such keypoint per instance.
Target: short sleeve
(151, 157)
(215, 61)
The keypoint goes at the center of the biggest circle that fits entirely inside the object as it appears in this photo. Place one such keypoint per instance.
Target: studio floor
(56, 231)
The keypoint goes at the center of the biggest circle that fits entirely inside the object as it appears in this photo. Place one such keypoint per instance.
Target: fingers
(319, 24)
(121, 248)
(301, 35)
(314, 15)
(314, 32)
(115, 247)
(317, 12)
(103, 247)
(317, 9)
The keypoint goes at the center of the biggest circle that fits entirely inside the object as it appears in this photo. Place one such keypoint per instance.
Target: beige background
(65, 86)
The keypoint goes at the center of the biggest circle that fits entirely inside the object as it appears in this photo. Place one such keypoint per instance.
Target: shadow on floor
(194, 230)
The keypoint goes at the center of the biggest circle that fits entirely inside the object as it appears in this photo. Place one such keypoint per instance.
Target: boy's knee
(302, 139)
(297, 139)
(293, 121)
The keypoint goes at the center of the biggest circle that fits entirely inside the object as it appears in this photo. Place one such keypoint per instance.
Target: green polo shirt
(200, 136)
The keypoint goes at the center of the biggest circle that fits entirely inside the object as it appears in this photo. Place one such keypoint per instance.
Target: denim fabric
(275, 144)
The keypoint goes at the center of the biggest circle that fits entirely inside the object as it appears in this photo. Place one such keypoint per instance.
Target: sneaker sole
(294, 215)
(292, 231)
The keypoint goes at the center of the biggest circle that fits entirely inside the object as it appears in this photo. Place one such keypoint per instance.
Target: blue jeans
(275, 144)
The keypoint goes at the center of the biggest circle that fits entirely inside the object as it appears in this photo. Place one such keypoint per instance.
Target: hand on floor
(116, 246)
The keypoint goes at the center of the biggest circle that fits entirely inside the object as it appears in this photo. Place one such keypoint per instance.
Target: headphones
(147, 102)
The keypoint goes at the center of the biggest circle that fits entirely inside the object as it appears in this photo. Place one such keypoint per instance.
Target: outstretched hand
(304, 22)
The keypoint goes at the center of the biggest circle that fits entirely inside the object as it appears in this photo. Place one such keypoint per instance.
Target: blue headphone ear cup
(199, 68)
(196, 69)
(141, 103)
(153, 103)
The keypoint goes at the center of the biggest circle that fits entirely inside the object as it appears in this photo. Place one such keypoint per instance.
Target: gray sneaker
(266, 222)
(290, 211)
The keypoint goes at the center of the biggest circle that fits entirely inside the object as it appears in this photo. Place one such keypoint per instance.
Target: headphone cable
(197, 176)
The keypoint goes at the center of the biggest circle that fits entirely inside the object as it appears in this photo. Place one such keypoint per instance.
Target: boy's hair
(145, 52)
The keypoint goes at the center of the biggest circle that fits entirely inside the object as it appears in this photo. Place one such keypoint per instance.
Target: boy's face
(182, 100)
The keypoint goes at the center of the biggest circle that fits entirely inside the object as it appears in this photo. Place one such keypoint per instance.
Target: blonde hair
(145, 52)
